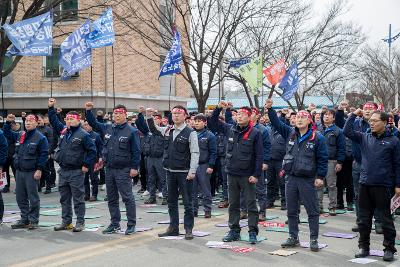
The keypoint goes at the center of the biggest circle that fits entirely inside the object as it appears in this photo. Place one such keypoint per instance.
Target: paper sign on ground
(362, 260)
(340, 235)
(281, 252)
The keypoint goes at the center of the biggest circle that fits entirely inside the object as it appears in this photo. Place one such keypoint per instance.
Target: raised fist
(23, 114)
(268, 103)
(150, 112)
(89, 105)
(223, 104)
(141, 109)
(358, 112)
(52, 102)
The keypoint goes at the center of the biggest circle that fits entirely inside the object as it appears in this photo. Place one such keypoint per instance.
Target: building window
(51, 67)
(66, 11)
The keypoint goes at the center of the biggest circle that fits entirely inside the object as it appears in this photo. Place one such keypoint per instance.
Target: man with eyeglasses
(379, 179)
(305, 166)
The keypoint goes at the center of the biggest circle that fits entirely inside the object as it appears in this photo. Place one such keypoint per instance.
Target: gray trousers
(27, 196)
(237, 184)
(330, 182)
(202, 182)
(118, 182)
(156, 175)
(71, 186)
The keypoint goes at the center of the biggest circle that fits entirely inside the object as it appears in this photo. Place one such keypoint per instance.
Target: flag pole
(51, 83)
(170, 91)
(91, 71)
(113, 74)
(105, 79)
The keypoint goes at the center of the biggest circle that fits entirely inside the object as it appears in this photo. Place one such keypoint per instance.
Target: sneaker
(340, 207)
(362, 253)
(270, 206)
(243, 215)
(103, 187)
(130, 230)
(314, 245)
(207, 214)
(291, 242)
(160, 195)
(79, 227)
(332, 212)
(378, 229)
(231, 236)
(169, 232)
(223, 204)
(355, 228)
(86, 198)
(141, 191)
(33, 226)
(164, 201)
(20, 225)
(188, 234)
(5, 189)
(151, 201)
(63, 227)
(47, 191)
(388, 255)
(145, 193)
(111, 229)
(92, 199)
(283, 206)
(253, 238)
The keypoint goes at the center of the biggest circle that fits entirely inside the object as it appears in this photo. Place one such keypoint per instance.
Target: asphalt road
(44, 247)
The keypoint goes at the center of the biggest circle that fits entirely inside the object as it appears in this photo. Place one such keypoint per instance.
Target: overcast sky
(373, 15)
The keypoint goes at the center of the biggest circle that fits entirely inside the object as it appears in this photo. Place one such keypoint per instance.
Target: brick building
(124, 78)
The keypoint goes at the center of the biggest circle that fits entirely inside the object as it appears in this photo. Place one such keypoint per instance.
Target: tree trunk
(201, 105)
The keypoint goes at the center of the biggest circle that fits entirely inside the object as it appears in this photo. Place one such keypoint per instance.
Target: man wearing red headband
(244, 160)
(75, 153)
(121, 155)
(153, 150)
(31, 153)
(180, 159)
(305, 165)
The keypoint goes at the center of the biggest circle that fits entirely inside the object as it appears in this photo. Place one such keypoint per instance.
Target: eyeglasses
(374, 121)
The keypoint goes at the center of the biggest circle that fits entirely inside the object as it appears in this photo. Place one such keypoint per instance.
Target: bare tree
(206, 26)
(322, 50)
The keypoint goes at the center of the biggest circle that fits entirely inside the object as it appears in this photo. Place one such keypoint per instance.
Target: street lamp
(390, 40)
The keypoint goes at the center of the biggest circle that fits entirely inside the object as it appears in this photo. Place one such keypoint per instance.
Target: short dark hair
(331, 111)
(181, 107)
(73, 113)
(120, 106)
(40, 116)
(201, 117)
(383, 116)
(293, 113)
(247, 108)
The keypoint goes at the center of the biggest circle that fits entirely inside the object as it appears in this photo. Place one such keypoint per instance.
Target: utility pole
(390, 40)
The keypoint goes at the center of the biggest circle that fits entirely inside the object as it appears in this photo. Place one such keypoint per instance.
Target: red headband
(73, 116)
(178, 110)
(369, 106)
(119, 110)
(245, 111)
(255, 110)
(304, 114)
(31, 117)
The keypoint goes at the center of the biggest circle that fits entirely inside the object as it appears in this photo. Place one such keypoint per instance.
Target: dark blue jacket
(262, 129)
(340, 144)
(380, 164)
(88, 144)
(278, 144)
(42, 148)
(221, 127)
(135, 145)
(212, 146)
(141, 124)
(3, 149)
(97, 141)
(288, 131)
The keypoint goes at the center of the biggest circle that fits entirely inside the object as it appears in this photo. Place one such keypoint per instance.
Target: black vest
(26, 154)
(177, 152)
(70, 153)
(240, 153)
(153, 146)
(221, 145)
(300, 159)
(203, 146)
(349, 149)
(331, 137)
(117, 146)
(278, 145)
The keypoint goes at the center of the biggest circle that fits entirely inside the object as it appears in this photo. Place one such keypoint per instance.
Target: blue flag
(102, 33)
(290, 82)
(172, 63)
(31, 37)
(236, 63)
(75, 54)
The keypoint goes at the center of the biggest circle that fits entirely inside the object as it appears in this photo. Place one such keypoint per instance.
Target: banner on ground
(290, 83)
(31, 37)
(75, 54)
(172, 63)
(275, 72)
(102, 33)
(252, 73)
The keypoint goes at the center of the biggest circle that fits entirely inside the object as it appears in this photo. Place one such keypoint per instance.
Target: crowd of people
(254, 157)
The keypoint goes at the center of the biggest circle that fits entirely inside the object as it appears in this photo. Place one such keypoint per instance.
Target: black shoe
(63, 227)
(47, 191)
(355, 228)
(40, 190)
(388, 255)
(291, 242)
(350, 206)
(5, 189)
(20, 225)
(188, 234)
(151, 200)
(86, 198)
(262, 217)
(195, 214)
(93, 199)
(170, 232)
(332, 212)
(314, 245)
(378, 229)
(130, 230)
(164, 201)
(253, 238)
(231, 236)
(283, 206)
(79, 227)
(111, 229)
(340, 207)
(270, 206)
(33, 226)
(362, 253)
(207, 214)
